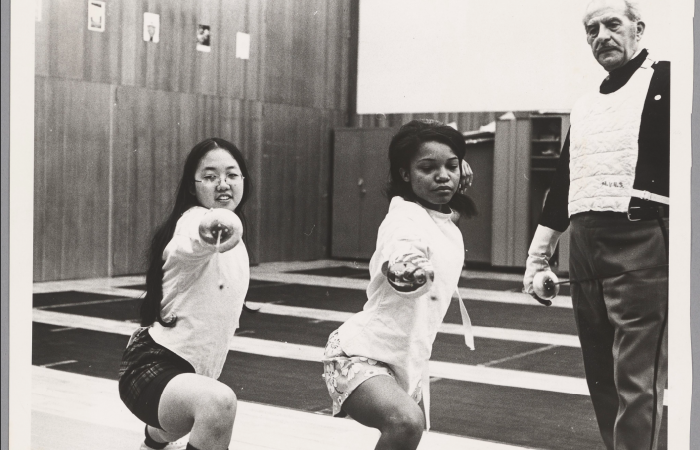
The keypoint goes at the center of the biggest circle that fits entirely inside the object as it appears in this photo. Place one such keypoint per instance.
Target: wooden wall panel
(41, 40)
(102, 50)
(149, 153)
(150, 103)
(278, 47)
(67, 22)
(299, 49)
(340, 65)
(49, 155)
(232, 71)
(274, 184)
(207, 64)
(41, 185)
(131, 26)
(255, 66)
(72, 179)
(331, 56)
(173, 67)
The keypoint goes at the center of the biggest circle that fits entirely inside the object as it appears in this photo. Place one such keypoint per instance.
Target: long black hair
(184, 200)
(404, 146)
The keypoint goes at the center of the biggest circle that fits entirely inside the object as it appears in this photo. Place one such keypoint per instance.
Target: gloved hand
(219, 221)
(409, 273)
(541, 250)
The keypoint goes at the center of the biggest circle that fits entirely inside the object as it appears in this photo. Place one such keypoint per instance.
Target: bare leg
(380, 403)
(198, 405)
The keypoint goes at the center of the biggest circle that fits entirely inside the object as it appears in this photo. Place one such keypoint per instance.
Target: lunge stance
(196, 284)
(376, 363)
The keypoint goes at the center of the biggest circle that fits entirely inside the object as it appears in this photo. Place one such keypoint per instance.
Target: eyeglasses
(231, 179)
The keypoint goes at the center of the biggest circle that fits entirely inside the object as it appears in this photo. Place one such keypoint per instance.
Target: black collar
(620, 76)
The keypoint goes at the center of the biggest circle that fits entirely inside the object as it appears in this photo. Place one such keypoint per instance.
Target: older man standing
(611, 187)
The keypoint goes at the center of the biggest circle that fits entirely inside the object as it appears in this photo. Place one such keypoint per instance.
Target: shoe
(180, 444)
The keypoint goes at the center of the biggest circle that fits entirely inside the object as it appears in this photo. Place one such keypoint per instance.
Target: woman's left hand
(466, 178)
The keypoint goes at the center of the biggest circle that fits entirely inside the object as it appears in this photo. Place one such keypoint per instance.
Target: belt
(636, 213)
(646, 195)
(633, 214)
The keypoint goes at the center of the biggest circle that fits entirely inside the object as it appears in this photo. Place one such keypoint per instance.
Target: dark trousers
(621, 323)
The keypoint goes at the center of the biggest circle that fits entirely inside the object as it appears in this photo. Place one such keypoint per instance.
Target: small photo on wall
(151, 27)
(96, 16)
(203, 38)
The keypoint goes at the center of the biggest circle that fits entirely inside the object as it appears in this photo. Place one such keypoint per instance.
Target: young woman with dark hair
(376, 363)
(406, 143)
(196, 283)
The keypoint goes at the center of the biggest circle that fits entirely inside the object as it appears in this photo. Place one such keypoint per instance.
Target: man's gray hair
(632, 11)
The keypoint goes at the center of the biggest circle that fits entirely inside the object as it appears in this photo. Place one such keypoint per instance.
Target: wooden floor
(525, 374)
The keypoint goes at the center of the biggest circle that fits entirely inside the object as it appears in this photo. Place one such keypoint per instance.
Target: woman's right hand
(409, 272)
(221, 226)
(219, 229)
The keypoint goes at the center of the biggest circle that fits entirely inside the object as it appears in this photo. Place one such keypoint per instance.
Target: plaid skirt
(145, 370)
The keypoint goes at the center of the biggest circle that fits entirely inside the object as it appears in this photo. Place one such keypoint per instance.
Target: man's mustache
(606, 48)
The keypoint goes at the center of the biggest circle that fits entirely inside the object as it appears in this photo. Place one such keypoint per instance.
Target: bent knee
(408, 424)
(218, 402)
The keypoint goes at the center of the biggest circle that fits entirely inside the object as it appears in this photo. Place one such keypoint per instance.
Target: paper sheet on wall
(242, 45)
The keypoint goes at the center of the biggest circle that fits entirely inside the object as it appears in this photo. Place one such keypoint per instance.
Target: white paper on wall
(242, 45)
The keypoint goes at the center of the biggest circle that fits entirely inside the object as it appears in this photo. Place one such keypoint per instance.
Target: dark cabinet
(360, 175)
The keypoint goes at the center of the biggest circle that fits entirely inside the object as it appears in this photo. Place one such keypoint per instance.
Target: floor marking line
(316, 315)
(507, 334)
(63, 329)
(128, 294)
(89, 302)
(518, 356)
(60, 363)
(453, 371)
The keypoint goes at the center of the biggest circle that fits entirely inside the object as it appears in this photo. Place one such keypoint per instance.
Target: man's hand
(541, 250)
(533, 265)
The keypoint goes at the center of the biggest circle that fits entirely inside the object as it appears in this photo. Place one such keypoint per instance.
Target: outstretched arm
(199, 230)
